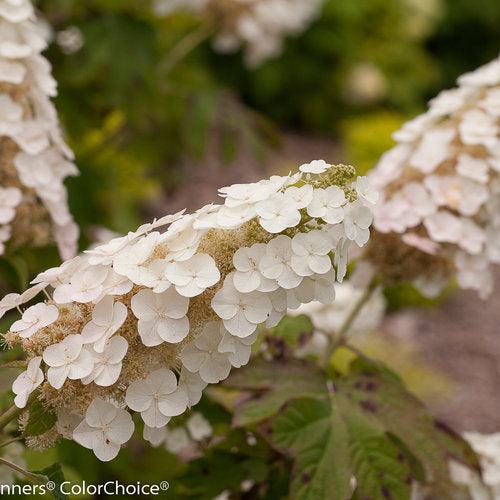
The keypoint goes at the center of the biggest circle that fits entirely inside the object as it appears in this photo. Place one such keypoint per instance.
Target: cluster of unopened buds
(146, 321)
(257, 26)
(441, 186)
(34, 159)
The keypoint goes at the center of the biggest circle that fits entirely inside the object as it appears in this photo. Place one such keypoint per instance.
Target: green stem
(185, 45)
(344, 329)
(10, 441)
(34, 478)
(13, 412)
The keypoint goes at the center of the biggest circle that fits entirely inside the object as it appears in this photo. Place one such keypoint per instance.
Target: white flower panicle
(146, 321)
(441, 184)
(257, 26)
(34, 159)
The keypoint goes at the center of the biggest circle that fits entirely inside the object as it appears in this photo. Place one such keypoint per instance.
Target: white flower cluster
(441, 183)
(487, 446)
(35, 160)
(147, 320)
(257, 26)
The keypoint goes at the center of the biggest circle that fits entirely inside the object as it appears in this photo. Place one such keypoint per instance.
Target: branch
(34, 478)
(344, 329)
(10, 441)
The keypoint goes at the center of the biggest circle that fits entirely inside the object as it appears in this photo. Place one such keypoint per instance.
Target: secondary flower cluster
(441, 187)
(257, 26)
(34, 159)
(147, 320)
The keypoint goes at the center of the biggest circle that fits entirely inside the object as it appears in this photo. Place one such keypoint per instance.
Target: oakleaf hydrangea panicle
(439, 214)
(144, 322)
(34, 159)
(259, 27)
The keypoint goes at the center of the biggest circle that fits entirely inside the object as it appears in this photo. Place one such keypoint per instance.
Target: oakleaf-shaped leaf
(336, 448)
(276, 383)
(362, 431)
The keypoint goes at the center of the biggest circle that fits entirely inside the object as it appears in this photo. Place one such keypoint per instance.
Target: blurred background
(160, 115)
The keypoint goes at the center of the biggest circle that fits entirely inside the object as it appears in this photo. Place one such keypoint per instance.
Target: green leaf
(40, 419)
(322, 466)
(276, 382)
(364, 425)
(55, 474)
(291, 329)
(388, 403)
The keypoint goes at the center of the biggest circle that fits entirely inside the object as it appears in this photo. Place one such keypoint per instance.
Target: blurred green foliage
(145, 93)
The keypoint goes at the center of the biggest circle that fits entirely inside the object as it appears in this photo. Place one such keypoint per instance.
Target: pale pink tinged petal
(320, 264)
(271, 267)
(84, 434)
(54, 355)
(350, 229)
(241, 357)
(105, 451)
(136, 398)
(108, 375)
(57, 376)
(362, 237)
(143, 305)
(300, 266)
(82, 366)
(18, 326)
(173, 330)
(178, 274)
(72, 345)
(257, 311)
(21, 383)
(246, 282)
(239, 325)
(100, 344)
(192, 358)
(21, 399)
(162, 381)
(92, 332)
(288, 279)
(120, 314)
(100, 413)
(116, 349)
(149, 333)
(241, 260)
(173, 404)
(103, 311)
(153, 417)
(217, 368)
(121, 427)
(224, 304)
(175, 306)
(189, 290)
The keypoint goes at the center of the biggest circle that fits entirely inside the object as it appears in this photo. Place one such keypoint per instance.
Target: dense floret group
(34, 159)
(441, 189)
(146, 321)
